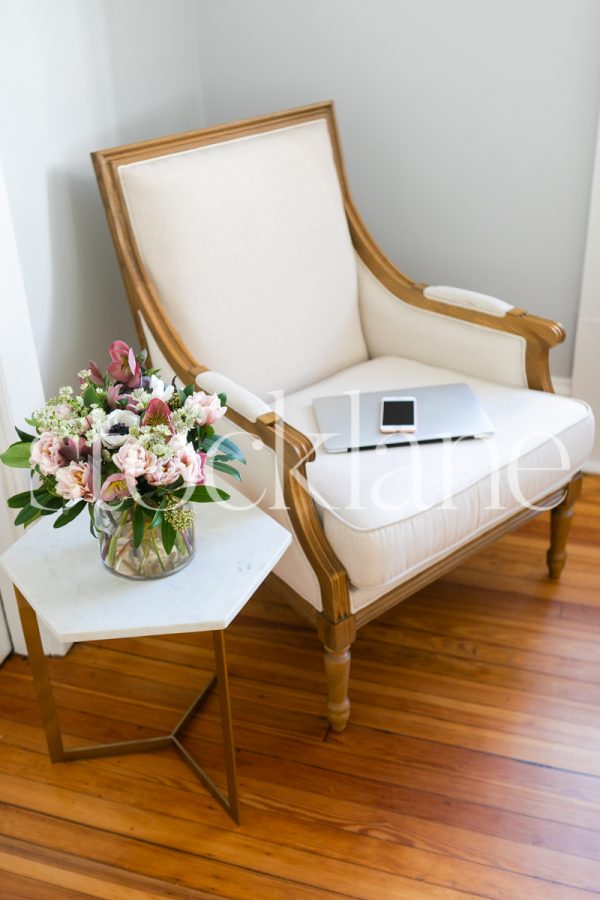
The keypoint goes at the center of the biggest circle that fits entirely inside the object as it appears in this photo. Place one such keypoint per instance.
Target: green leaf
(138, 525)
(92, 525)
(70, 513)
(229, 470)
(157, 519)
(168, 535)
(188, 390)
(27, 438)
(27, 514)
(203, 494)
(45, 501)
(18, 501)
(90, 396)
(224, 446)
(17, 455)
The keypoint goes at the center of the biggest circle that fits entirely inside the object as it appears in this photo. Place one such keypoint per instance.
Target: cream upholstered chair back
(247, 245)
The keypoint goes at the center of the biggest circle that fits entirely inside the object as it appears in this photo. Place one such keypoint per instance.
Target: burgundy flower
(158, 413)
(124, 366)
(114, 395)
(75, 449)
(96, 375)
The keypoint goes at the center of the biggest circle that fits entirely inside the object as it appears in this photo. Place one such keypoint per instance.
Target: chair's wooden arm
(539, 334)
(293, 450)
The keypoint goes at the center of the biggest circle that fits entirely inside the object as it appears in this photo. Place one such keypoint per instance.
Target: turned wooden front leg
(560, 526)
(337, 671)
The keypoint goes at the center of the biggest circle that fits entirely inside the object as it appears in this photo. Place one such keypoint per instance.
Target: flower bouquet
(134, 452)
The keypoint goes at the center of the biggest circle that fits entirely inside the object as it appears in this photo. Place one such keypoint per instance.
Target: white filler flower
(159, 389)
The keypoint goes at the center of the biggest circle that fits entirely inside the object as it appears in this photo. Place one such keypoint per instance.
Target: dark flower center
(119, 428)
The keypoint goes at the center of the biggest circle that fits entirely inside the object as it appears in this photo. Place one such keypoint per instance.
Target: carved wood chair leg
(337, 671)
(560, 526)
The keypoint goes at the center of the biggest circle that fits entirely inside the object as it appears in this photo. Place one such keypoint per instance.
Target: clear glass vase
(148, 560)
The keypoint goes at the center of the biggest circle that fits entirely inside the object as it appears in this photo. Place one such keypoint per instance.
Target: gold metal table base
(58, 752)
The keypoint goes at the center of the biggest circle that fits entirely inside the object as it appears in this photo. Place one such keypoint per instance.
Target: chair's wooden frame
(336, 624)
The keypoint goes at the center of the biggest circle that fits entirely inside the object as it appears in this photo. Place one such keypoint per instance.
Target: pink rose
(164, 472)
(73, 482)
(45, 453)
(207, 407)
(133, 459)
(190, 465)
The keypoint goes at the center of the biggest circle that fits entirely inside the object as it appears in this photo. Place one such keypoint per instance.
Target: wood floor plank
(470, 767)
(67, 872)
(256, 858)
(339, 844)
(18, 887)
(173, 867)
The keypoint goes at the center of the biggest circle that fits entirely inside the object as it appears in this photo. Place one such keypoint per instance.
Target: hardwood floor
(471, 766)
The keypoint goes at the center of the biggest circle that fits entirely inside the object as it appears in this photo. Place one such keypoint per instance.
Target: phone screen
(398, 413)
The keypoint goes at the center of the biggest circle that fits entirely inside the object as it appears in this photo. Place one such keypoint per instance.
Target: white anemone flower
(160, 390)
(114, 430)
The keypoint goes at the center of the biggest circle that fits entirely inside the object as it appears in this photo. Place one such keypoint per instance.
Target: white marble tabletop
(60, 573)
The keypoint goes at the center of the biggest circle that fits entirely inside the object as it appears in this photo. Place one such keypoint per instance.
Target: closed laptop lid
(350, 421)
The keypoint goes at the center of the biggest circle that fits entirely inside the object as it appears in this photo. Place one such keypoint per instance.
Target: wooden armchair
(249, 270)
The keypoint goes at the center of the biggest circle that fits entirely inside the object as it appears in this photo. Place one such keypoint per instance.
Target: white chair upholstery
(394, 328)
(248, 246)
(390, 514)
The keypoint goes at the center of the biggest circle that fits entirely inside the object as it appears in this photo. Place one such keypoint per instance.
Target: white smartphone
(398, 414)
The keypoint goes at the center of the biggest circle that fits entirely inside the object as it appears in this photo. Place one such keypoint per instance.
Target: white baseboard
(562, 385)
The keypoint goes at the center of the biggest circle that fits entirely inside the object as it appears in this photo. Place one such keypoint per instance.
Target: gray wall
(76, 76)
(469, 126)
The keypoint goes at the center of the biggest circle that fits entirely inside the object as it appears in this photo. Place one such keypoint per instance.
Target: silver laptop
(443, 412)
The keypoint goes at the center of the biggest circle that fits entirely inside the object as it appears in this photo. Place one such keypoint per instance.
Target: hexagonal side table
(58, 577)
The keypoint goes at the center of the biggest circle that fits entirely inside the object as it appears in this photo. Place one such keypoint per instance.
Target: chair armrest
(292, 450)
(241, 400)
(467, 299)
(454, 329)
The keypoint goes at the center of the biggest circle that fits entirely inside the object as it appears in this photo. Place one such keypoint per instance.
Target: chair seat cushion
(391, 512)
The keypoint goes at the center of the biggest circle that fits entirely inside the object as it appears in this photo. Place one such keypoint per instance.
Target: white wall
(468, 126)
(586, 368)
(20, 391)
(77, 76)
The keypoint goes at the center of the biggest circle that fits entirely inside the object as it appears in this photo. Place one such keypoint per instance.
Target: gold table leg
(58, 752)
